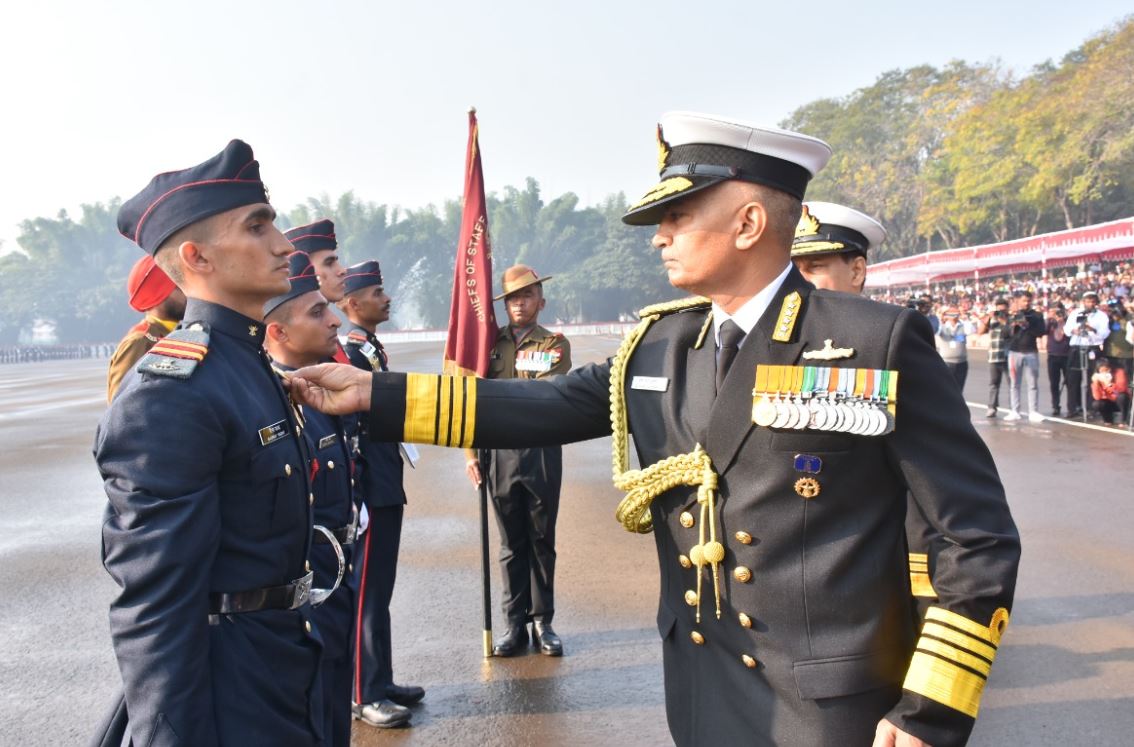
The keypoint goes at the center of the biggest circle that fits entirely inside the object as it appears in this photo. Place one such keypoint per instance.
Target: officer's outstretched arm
(333, 388)
(464, 411)
(159, 538)
(951, 475)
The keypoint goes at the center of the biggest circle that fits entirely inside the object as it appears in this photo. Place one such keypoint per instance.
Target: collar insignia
(253, 330)
(828, 353)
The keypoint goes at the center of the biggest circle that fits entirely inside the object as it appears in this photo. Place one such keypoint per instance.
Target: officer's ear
(195, 258)
(752, 223)
(276, 332)
(858, 271)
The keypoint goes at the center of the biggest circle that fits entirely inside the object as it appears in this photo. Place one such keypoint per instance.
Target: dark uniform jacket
(137, 342)
(208, 485)
(541, 354)
(379, 464)
(815, 642)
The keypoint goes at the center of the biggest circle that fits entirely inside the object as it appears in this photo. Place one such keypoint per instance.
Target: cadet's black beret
(176, 199)
(302, 277)
(363, 275)
(314, 237)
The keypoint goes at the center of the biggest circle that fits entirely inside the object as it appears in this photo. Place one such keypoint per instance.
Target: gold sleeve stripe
(962, 623)
(440, 410)
(954, 654)
(960, 640)
(945, 682)
(921, 586)
(919, 557)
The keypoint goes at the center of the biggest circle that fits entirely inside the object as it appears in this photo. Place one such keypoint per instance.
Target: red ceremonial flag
(472, 320)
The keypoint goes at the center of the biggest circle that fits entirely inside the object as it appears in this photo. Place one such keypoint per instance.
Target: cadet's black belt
(345, 535)
(287, 597)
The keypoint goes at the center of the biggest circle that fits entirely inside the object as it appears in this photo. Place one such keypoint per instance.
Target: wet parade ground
(1064, 674)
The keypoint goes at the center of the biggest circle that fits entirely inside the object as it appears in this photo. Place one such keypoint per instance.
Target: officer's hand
(888, 735)
(333, 388)
(472, 469)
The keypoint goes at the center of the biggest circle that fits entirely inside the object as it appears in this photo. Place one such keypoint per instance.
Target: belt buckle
(302, 590)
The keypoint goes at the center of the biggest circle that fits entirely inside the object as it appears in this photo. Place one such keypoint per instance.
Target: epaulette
(354, 337)
(177, 354)
(671, 307)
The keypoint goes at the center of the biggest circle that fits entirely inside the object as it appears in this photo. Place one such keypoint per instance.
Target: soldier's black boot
(548, 642)
(514, 640)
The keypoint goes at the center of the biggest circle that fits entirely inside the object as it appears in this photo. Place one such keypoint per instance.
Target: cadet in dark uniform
(379, 702)
(318, 241)
(301, 331)
(150, 291)
(829, 249)
(209, 519)
(524, 483)
(775, 471)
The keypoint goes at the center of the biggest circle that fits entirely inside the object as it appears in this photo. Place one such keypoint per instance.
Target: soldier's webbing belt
(642, 486)
(286, 597)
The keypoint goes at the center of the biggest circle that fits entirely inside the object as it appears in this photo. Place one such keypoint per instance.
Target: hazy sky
(371, 96)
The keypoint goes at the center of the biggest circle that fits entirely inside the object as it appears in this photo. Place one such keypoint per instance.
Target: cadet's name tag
(330, 440)
(368, 350)
(271, 433)
(650, 383)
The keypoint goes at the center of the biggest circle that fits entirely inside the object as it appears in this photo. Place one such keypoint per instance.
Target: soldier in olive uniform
(779, 428)
(524, 483)
(152, 292)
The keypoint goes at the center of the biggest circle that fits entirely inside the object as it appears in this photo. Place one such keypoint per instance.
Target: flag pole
(486, 577)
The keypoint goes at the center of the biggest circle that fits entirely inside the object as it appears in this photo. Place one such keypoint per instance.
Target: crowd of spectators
(1079, 318)
(37, 353)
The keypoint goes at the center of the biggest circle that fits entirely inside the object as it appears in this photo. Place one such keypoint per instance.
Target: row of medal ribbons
(535, 360)
(861, 401)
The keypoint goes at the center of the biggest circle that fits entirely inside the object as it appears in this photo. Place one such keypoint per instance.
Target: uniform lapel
(731, 416)
(700, 383)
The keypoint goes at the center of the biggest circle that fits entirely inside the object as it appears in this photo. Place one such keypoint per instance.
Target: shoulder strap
(672, 307)
(178, 354)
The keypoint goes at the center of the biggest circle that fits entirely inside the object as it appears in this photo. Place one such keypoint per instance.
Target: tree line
(956, 156)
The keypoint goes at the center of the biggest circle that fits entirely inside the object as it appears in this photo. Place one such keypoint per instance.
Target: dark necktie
(731, 337)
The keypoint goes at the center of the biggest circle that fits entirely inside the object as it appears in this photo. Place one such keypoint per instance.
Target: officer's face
(697, 239)
(331, 274)
(248, 253)
(372, 305)
(830, 271)
(312, 329)
(524, 305)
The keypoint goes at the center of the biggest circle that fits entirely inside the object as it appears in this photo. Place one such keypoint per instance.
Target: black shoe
(512, 642)
(1055, 412)
(382, 713)
(405, 695)
(544, 637)
(1074, 414)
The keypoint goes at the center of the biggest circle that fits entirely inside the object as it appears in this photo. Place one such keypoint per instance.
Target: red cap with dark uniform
(147, 285)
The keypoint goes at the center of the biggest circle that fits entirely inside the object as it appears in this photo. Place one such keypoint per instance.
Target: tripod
(1080, 362)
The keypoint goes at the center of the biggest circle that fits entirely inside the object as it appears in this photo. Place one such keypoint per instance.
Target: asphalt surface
(1064, 675)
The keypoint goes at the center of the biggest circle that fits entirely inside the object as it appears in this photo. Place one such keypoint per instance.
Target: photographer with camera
(952, 344)
(1088, 327)
(1058, 354)
(996, 325)
(1118, 350)
(1025, 327)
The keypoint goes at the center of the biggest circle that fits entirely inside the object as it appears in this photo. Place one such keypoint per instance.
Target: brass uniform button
(307, 625)
(287, 470)
(685, 561)
(691, 598)
(742, 574)
(697, 637)
(686, 519)
(311, 499)
(748, 661)
(745, 621)
(744, 538)
(330, 464)
(350, 567)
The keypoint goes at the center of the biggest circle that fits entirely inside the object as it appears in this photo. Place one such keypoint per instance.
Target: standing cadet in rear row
(150, 291)
(318, 241)
(378, 701)
(208, 524)
(775, 467)
(301, 331)
(524, 483)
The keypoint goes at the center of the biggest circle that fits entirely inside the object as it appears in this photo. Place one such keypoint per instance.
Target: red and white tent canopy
(1101, 242)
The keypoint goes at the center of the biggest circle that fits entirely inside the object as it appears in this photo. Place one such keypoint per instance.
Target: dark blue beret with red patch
(314, 237)
(363, 275)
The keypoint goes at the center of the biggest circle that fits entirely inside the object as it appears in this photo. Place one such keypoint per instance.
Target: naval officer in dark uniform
(775, 467)
(378, 700)
(302, 330)
(830, 250)
(208, 525)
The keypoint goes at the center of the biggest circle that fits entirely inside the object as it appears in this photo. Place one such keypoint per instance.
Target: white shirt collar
(748, 314)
